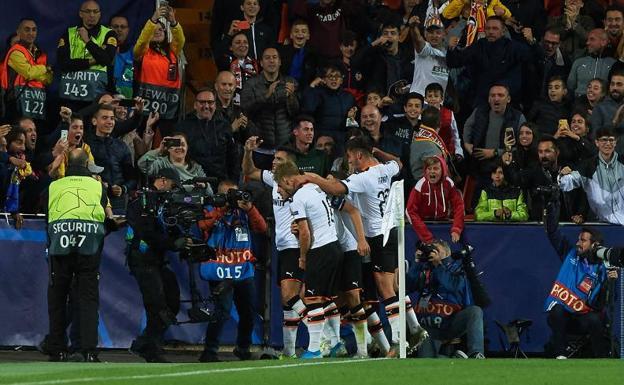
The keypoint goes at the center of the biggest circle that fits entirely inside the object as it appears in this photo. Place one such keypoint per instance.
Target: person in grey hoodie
(593, 65)
(602, 178)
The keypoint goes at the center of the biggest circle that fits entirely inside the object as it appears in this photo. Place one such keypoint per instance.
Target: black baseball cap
(166, 172)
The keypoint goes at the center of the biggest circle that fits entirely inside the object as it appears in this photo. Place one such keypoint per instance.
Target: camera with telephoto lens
(231, 197)
(181, 209)
(548, 192)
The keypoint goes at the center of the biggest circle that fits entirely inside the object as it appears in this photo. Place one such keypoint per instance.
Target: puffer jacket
(494, 198)
(272, 116)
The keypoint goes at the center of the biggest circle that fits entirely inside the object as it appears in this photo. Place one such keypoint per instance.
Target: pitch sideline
(191, 373)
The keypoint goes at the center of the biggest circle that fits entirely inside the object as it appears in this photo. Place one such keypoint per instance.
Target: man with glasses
(602, 178)
(549, 59)
(210, 139)
(85, 53)
(124, 59)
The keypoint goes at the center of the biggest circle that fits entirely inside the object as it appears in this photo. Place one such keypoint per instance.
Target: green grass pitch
(295, 372)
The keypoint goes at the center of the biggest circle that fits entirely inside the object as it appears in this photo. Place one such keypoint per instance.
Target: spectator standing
(112, 153)
(299, 59)
(594, 65)
(493, 60)
(547, 113)
(602, 178)
(430, 55)
(574, 28)
(596, 91)
(329, 104)
(270, 101)
(124, 58)
(604, 113)
(210, 139)
(500, 201)
(236, 59)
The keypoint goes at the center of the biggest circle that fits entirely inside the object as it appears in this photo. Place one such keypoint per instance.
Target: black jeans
(562, 322)
(161, 299)
(242, 294)
(85, 269)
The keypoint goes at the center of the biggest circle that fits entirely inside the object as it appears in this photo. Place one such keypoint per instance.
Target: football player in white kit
(291, 276)
(319, 252)
(370, 187)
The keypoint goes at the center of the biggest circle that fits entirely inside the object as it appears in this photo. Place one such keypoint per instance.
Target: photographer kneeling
(446, 306)
(578, 295)
(228, 230)
(148, 241)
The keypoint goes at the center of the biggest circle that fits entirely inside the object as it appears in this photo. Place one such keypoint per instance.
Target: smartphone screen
(243, 24)
(64, 134)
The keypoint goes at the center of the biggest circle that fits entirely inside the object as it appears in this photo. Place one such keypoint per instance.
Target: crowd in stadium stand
(520, 91)
(492, 108)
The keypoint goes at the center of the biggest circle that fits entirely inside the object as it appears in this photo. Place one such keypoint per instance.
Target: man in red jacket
(435, 197)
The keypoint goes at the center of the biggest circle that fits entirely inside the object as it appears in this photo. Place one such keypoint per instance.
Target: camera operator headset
(450, 297)
(148, 241)
(579, 292)
(227, 230)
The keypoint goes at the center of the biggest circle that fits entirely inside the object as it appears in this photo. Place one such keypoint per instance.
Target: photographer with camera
(578, 295)
(450, 297)
(148, 241)
(227, 230)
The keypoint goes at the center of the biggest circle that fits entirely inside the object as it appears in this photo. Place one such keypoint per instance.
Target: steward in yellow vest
(76, 228)
(86, 55)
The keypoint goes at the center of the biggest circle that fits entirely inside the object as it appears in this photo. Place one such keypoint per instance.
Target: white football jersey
(344, 226)
(370, 190)
(284, 239)
(311, 203)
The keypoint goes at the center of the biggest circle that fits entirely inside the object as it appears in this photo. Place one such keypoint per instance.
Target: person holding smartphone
(159, 79)
(172, 153)
(259, 34)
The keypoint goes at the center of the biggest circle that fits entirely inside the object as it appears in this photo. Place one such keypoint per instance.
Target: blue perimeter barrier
(518, 262)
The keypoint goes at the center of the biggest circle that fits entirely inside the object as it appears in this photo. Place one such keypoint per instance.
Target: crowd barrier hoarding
(518, 263)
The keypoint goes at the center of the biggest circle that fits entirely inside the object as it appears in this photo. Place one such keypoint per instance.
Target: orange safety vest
(19, 79)
(23, 97)
(160, 91)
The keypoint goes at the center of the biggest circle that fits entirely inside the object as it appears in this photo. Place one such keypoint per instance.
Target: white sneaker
(460, 354)
(561, 358)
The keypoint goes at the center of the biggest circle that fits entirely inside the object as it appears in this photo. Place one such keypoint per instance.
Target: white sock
(289, 329)
(332, 324)
(358, 320)
(410, 315)
(316, 322)
(292, 319)
(376, 330)
(392, 312)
